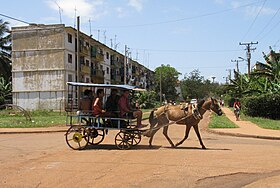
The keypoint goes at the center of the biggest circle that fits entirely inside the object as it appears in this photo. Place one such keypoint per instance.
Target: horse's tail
(153, 121)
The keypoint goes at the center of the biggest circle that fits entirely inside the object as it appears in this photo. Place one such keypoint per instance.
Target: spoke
(70, 139)
(79, 144)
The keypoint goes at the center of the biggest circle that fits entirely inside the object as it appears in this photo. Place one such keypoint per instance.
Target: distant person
(127, 112)
(111, 104)
(237, 108)
(97, 105)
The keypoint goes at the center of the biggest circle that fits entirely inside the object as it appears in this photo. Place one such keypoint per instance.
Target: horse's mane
(200, 103)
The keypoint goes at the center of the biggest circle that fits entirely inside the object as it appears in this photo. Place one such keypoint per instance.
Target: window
(69, 58)
(107, 55)
(87, 62)
(87, 80)
(70, 78)
(69, 38)
(108, 71)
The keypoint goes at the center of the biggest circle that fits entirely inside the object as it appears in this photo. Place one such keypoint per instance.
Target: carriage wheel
(123, 140)
(95, 136)
(135, 138)
(76, 137)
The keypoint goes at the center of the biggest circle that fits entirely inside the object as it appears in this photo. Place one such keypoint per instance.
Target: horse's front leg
(155, 129)
(165, 129)
(198, 135)
(188, 127)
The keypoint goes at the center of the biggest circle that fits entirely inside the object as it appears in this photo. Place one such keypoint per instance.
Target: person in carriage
(97, 105)
(127, 112)
(111, 104)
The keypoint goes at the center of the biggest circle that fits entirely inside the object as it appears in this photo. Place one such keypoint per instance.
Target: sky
(186, 34)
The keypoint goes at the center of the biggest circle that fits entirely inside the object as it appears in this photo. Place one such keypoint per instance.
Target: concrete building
(44, 58)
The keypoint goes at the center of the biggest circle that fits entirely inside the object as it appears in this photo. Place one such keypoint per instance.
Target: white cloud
(84, 8)
(254, 10)
(219, 1)
(136, 4)
(120, 11)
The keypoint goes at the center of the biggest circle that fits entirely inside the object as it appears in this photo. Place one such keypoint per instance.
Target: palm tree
(269, 72)
(5, 51)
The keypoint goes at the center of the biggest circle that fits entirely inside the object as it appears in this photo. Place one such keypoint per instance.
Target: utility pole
(125, 62)
(229, 71)
(78, 57)
(248, 48)
(237, 61)
(160, 89)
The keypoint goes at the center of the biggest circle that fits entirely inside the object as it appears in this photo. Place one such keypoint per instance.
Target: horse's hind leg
(198, 135)
(152, 136)
(186, 135)
(165, 130)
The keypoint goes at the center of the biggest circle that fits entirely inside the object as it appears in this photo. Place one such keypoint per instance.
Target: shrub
(267, 106)
(2, 100)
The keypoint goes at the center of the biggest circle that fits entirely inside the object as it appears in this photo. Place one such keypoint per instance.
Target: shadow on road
(114, 147)
(198, 148)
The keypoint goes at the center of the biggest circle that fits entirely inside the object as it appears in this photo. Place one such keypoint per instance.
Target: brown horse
(179, 115)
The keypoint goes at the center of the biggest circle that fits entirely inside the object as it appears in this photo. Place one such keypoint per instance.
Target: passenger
(85, 103)
(126, 111)
(112, 103)
(97, 105)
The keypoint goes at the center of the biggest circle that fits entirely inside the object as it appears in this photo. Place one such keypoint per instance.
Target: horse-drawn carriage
(85, 128)
(88, 129)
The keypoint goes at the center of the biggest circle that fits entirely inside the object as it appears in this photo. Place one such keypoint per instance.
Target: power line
(182, 19)
(14, 19)
(185, 51)
(254, 20)
(267, 23)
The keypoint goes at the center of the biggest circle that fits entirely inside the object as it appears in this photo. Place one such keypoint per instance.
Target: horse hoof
(203, 147)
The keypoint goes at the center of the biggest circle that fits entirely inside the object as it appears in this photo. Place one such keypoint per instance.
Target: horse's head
(216, 107)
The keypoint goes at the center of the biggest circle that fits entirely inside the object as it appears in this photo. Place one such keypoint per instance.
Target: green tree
(5, 90)
(5, 51)
(169, 80)
(195, 86)
(268, 76)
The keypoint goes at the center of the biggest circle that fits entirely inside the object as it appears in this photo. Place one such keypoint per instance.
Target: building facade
(44, 58)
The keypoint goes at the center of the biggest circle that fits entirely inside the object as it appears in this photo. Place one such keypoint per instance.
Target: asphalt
(246, 129)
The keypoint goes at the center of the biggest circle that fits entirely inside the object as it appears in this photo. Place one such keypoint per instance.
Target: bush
(267, 106)
(2, 100)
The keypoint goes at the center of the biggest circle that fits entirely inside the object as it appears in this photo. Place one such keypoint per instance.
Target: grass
(263, 122)
(221, 122)
(12, 119)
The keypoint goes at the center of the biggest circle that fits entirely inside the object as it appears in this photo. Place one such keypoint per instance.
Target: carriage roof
(113, 86)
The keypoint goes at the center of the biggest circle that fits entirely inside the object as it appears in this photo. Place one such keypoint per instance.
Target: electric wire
(14, 19)
(182, 19)
(254, 21)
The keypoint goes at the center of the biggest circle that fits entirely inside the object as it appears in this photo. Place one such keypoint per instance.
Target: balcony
(97, 76)
(84, 50)
(85, 69)
(99, 57)
(97, 73)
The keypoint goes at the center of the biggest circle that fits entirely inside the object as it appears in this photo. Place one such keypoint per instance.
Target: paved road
(44, 160)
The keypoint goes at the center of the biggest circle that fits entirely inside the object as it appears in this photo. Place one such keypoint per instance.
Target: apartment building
(44, 58)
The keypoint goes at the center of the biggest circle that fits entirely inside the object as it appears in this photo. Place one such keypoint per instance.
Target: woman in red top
(237, 108)
(97, 105)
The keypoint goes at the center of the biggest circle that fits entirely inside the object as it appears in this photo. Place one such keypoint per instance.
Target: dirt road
(44, 160)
